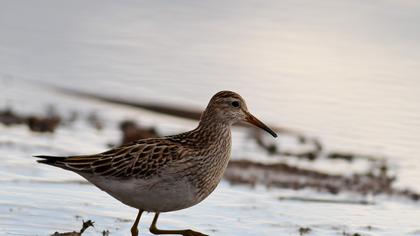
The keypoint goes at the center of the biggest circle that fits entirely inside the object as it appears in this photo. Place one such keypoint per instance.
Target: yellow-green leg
(134, 230)
(185, 232)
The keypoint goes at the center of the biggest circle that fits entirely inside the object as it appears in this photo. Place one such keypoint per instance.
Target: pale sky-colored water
(345, 71)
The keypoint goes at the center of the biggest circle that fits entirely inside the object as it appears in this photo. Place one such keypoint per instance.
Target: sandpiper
(170, 173)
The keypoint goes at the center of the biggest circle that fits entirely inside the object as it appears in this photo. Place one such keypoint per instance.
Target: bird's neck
(214, 150)
(213, 130)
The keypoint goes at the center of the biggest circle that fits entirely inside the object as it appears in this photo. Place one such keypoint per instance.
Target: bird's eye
(235, 104)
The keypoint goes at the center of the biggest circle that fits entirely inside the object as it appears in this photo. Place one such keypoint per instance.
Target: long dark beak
(253, 120)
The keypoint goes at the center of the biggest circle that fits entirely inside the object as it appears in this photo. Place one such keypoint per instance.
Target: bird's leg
(134, 230)
(185, 232)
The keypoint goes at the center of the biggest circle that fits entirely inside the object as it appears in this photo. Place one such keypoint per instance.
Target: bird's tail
(51, 160)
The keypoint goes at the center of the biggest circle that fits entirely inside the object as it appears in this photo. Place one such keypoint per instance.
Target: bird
(170, 173)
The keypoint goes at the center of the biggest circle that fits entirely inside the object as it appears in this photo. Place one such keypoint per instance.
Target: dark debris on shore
(285, 176)
(131, 131)
(85, 225)
(35, 123)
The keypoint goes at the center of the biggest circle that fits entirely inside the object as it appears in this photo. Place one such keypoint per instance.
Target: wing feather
(141, 159)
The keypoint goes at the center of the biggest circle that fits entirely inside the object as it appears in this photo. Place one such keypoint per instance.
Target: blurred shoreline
(376, 180)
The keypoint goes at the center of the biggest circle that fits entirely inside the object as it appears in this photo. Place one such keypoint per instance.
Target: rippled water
(345, 71)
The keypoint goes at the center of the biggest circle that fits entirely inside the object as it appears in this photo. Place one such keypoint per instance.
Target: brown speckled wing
(141, 159)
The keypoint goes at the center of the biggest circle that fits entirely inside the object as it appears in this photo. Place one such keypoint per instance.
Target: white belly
(155, 195)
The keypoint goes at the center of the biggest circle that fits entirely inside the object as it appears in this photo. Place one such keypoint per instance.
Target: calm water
(345, 71)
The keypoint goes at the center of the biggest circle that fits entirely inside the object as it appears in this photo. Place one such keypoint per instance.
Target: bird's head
(230, 107)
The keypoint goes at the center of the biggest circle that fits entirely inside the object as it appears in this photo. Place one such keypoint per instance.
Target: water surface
(344, 71)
